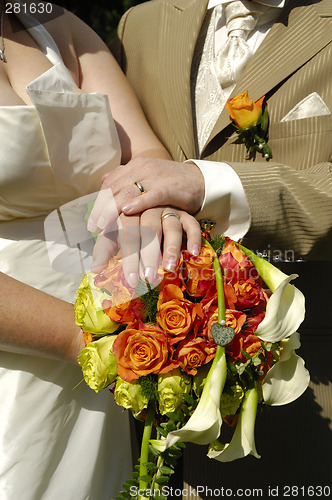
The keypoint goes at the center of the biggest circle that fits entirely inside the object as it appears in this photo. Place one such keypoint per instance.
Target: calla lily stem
(219, 285)
(143, 471)
(221, 300)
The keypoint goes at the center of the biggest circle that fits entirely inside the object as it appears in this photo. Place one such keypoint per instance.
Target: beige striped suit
(290, 200)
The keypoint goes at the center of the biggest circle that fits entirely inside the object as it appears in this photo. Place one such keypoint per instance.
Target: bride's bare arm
(99, 72)
(33, 322)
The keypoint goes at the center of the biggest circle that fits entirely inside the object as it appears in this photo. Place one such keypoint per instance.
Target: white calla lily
(158, 444)
(243, 440)
(270, 274)
(284, 312)
(285, 309)
(288, 378)
(205, 423)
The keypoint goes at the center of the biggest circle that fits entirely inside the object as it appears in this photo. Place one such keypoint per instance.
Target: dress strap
(40, 34)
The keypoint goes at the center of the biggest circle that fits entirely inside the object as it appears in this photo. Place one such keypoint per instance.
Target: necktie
(241, 19)
(214, 76)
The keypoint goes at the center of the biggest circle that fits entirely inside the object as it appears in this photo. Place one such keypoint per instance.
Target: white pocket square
(312, 105)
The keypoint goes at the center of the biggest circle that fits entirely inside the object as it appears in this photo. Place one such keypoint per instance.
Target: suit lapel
(300, 33)
(181, 22)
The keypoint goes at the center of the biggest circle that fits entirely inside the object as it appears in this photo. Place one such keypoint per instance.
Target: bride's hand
(162, 182)
(140, 238)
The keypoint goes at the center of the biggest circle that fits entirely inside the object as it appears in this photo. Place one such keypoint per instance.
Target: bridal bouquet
(202, 348)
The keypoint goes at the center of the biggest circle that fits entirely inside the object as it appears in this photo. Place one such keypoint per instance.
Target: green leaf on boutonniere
(264, 122)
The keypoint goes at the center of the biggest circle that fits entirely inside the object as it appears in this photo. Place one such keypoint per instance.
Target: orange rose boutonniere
(251, 122)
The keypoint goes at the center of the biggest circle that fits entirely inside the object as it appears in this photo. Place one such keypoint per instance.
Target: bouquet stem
(220, 291)
(143, 471)
(219, 284)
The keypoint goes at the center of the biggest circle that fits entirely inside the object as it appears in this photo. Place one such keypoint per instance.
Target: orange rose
(244, 111)
(249, 294)
(122, 307)
(199, 271)
(194, 352)
(171, 277)
(126, 313)
(112, 275)
(142, 349)
(252, 344)
(230, 295)
(235, 264)
(231, 247)
(235, 319)
(244, 342)
(175, 314)
(210, 298)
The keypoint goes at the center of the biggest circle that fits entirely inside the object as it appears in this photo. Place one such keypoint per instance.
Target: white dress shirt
(225, 200)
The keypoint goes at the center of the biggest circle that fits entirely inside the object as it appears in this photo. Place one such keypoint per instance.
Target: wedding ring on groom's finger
(140, 187)
(169, 215)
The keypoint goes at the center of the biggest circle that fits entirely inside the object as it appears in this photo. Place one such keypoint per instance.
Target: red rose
(248, 294)
(235, 264)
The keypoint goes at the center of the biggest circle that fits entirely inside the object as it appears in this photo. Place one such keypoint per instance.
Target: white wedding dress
(58, 441)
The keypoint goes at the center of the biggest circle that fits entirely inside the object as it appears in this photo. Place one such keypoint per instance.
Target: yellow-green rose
(129, 396)
(171, 387)
(89, 313)
(229, 403)
(98, 363)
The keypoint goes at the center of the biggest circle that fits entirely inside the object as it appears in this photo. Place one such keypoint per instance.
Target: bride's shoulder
(81, 48)
(68, 30)
(64, 27)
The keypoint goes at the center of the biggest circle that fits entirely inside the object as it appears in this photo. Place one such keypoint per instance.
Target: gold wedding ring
(168, 215)
(140, 187)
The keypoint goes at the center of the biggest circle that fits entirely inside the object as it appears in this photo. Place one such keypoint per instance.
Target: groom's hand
(160, 182)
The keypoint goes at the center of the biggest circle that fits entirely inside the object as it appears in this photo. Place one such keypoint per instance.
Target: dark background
(101, 15)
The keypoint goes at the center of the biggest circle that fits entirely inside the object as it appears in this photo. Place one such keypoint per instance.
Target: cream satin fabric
(56, 441)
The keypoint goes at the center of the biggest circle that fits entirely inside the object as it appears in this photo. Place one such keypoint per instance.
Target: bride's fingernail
(101, 222)
(149, 274)
(92, 227)
(132, 280)
(171, 264)
(195, 250)
(127, 208)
